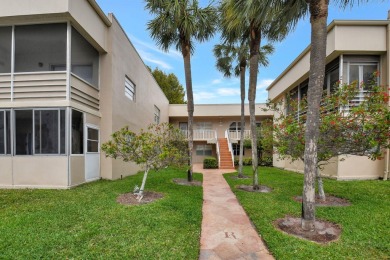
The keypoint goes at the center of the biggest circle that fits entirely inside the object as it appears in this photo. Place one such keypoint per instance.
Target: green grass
(365, 224)
(87, 223)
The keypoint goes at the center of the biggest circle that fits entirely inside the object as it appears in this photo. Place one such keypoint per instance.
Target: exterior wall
(28, 171)
(6, 171)
(118, 111)
(360, 167)
(77, 169)
(344, 37)
(200, 158)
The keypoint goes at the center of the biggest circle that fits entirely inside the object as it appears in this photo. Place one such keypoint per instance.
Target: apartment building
(355, 49)
(69, 77)
(217, 130)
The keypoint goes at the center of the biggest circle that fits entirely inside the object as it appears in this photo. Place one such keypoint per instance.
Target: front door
(92, 155)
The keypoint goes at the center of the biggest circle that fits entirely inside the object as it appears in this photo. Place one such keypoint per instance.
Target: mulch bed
(185, 182)
(330, 201)
(249, 188)
(325, 232)
(131, 199)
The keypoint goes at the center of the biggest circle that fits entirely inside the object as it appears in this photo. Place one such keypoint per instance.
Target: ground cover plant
(86, 222)
(365, 225)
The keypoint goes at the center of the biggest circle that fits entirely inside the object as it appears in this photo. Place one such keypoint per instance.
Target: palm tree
(178, 23)
(318, 10)
(238, 52)
(254, 20)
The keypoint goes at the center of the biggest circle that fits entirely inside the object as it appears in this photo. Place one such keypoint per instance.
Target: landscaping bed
(365, 226)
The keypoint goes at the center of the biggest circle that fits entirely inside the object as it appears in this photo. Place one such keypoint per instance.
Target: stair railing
(219, 156)
(229, 145)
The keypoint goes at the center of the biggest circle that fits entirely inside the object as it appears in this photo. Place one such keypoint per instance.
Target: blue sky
(209, 85)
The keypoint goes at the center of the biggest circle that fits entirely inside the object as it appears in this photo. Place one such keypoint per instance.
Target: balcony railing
(236, 135)
(203, 135)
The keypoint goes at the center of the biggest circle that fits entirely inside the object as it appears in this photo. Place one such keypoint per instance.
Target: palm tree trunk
(255, 41)
(319, 13)
(242, 89)
(190, 104)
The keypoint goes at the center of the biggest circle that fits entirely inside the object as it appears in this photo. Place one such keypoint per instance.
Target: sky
(209, 85)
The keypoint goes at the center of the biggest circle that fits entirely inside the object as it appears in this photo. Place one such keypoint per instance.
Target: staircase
(225, 155)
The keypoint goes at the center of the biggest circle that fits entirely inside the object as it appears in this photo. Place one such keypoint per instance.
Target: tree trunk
(190, 103)
(141, 190)
(319, 13)
(242, 90)
(321, 192)
(255, 41)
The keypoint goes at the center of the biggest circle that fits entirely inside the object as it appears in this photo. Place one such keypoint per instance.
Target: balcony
(204, 135)
(234, 136)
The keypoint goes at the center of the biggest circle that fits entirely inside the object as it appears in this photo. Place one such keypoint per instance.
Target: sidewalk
(226, 230)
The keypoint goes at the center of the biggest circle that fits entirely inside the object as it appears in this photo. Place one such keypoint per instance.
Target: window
(129, 89)
(203, 126)
(204, 149)
(5, 49)
(156, 115)
(5, 132)
(236, 149)
(85, 59)
(235, 126)
(40, 131)
(93, 140)
(38, 47)
(77, 132)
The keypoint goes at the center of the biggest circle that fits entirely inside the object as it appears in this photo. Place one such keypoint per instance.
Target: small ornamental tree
(350, 124)
(161, 145)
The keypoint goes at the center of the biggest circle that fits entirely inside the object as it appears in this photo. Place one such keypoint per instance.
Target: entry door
(92, 155)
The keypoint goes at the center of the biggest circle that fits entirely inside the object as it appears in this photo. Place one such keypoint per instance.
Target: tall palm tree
(237, 52)
(178, 23)
(255, 20)
(318, 10)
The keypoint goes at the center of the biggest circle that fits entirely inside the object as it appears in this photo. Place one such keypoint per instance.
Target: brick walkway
(226, 230)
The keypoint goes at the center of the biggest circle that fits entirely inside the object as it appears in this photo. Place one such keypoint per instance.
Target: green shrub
(247, 161)
(210, 163)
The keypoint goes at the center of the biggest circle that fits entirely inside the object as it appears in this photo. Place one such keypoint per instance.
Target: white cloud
(216, 81)
(149, 57)
(228, 92)
(264, 83)
(199, 96)
(145, 45)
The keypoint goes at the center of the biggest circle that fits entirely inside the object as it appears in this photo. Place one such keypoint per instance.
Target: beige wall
(118, 110)
(77, 169)
(343, 37)
(28, 171)
(215, 110)
(200, 158)
(360, 167)
(5, 171)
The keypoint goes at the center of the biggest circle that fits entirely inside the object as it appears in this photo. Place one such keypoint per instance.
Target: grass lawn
(365, 224)
(87, 223)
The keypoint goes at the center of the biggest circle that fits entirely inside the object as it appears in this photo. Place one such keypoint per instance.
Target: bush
(210, 163)
(245, 161)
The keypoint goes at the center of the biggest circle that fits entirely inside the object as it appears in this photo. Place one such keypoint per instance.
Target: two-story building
(355, 50)
(69, 77)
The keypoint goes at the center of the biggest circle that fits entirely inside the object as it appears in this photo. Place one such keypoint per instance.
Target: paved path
(226, 230)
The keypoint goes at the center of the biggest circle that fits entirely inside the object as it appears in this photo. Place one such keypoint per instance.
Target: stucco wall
(5, 171)
(118, 110)
(28, 171)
